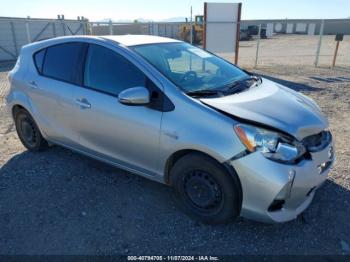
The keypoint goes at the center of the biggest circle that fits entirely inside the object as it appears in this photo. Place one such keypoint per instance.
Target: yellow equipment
(197, 30)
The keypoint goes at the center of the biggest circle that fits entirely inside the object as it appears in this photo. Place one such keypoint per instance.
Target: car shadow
(293, 85)
(7, 65)
(60, 202)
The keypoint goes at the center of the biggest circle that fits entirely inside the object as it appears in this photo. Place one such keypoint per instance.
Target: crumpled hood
(274, 105)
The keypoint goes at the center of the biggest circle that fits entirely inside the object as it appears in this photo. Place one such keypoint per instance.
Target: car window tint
(109, 72)
(64, 62)
(39, 59)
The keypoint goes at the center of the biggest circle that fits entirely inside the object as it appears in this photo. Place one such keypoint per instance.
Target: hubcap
(202, 190)
(28, 132)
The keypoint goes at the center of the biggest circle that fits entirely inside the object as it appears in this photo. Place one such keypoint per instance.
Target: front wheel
(205, 190)
(28, 132)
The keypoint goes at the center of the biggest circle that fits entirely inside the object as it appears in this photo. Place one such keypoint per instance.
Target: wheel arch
(19, 106)
(172, 159)
(19, 100)
(181, 153)
(170, 162)
(15, 108)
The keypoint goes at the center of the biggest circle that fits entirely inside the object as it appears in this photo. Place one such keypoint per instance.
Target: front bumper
(292, 187)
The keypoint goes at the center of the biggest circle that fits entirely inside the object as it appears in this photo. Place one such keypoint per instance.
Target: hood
(276, 106)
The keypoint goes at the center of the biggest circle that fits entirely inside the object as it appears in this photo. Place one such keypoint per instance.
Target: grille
(317, 142)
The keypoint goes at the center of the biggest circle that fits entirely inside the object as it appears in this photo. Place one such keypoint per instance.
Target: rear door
(128, 135)
(58, 71)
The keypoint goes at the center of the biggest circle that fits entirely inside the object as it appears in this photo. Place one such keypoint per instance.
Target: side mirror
(134, 96)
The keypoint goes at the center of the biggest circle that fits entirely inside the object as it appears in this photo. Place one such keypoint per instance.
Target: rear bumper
(274, 192)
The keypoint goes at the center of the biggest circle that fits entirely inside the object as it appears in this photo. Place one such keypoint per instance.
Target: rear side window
(39, 60)
(109, 72)
(65, 62)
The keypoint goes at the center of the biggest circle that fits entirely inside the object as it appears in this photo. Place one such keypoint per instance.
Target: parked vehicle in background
(197, 30)
(228, 142)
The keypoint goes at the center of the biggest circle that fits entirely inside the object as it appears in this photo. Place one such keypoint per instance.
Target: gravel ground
(59, 202)
(278, 50)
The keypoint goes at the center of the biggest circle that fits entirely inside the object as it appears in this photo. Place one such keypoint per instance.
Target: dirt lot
(59, 202)
(278, 50)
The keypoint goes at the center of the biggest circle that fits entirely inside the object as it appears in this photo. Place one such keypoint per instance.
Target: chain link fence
(295, 43)
(262, 42)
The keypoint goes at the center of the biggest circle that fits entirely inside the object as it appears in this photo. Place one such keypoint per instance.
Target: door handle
(83, 103)
(32, 84)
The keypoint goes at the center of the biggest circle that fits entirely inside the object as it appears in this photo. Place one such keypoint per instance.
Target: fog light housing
(286, 191)
(324, 166)
(276, 205)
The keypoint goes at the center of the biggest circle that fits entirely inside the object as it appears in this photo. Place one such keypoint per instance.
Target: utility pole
(257, 47)
(319, 43)
(191, 31)
(29, 39)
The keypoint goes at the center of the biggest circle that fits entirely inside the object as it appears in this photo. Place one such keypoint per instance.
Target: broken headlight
(273, 145)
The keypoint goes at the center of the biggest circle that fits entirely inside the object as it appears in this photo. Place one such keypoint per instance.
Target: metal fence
(280, 42)
(171, 29)
(296, 44)
(16, 32)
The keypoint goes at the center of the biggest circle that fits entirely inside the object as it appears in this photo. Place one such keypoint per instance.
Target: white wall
(221, 27)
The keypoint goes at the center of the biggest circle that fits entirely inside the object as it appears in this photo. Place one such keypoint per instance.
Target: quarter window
(39, 59)
(64, 62)
(109, 72)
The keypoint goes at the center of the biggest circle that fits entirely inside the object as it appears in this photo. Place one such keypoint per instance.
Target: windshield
(190, 68)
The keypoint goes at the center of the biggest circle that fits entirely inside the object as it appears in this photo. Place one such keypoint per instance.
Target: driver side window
(109, 72)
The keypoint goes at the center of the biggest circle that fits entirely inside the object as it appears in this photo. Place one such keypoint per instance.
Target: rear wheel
(28, 132)
(205, 190)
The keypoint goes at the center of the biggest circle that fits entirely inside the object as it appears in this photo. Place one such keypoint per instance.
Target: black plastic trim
(231, 170)
(163, 103)
(84, 45)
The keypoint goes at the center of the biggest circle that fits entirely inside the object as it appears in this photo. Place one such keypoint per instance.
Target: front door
(129, 135)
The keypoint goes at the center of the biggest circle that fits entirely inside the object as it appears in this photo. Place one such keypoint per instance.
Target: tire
(205, 190)
(28, 132)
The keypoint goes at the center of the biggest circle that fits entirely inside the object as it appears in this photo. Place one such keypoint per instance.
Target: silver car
(228, 142)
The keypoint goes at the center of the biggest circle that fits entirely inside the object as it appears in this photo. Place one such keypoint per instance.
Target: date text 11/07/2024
(173, 258)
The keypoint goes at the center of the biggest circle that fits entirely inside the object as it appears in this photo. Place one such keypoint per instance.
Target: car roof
(132, 40)
(126, 40)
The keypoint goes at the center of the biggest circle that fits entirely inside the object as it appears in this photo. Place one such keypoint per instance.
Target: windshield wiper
(238, 85)
(202, 92)
(233, 87)
(256, 78)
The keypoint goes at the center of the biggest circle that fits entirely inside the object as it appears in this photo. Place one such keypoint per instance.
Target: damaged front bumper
(275, 192)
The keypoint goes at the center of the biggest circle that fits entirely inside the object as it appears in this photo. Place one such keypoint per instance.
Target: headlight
(273, 145)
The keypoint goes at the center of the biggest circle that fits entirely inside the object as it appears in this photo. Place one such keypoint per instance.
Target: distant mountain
(106, 20)
(143, 20)
(175, 19)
